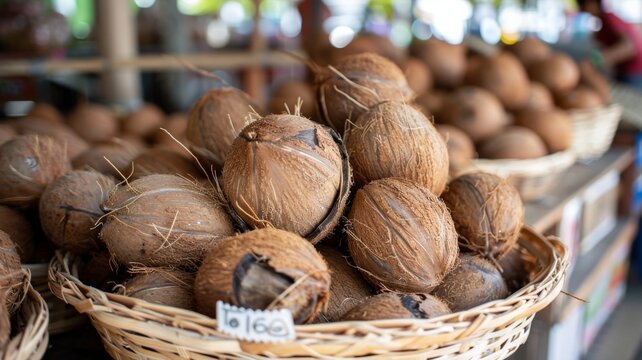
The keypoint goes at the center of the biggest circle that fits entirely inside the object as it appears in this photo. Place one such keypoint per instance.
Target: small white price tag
(263, 326)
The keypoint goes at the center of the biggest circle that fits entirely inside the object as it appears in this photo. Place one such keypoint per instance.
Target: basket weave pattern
(30, 343)
(593, 130)
(134, 329)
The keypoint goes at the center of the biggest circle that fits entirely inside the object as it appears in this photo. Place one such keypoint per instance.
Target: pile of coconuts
(349, 217)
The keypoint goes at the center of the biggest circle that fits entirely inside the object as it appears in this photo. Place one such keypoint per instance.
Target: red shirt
(613, 28)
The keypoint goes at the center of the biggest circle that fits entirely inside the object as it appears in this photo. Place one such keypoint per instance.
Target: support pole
(254, 79)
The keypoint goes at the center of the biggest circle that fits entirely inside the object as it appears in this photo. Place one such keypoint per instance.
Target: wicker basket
(533, 178)
(30, 342)
(593, 130)
(62, 317)
(135, 329)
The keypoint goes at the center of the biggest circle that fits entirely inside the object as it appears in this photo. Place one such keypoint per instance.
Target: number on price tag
(262, 326)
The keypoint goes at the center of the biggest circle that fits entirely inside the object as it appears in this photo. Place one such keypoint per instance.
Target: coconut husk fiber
(487, 211)
(69, 208)
(19, 229)
(164, 286)
(397, 306)
(287, 95)
(163, 220)
(164, 161)
(514, 142)
(27, 164)
(360, 82)
(11, 274)
(113, 157)
(264, 269)
(73, 143)
(287, 172)
(401, 236)
(473, 282)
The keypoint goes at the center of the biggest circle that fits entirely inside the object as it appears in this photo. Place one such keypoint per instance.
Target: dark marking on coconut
(308, 137)
(412, 305)
(69, 208)
(256, 284)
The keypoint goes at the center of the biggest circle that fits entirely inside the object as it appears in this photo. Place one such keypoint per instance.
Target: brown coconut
(144, 121)
(348, 287)
(7, 132)
(11, 275)
(287, 172)
(369, 43)
(62, 133)
(505, 77)
(473, 282)
(5, 323)
(93, 122)
(418, 75)
(176, 124)
(162, 286)
(518, 268)
(539, 98)
(393, 139)
(27, 164)
(47, 112)
(397, 306)
(164, 161)
(100, 271)
(488, 212)
(70, 207)
(215, 121)
(258, 270)
(476, 111)
(530, 50)
(595, 80)
(553, 126)
(373, 79)
(113, 157)
(16, 225)
(163, 220)
(582, 97)
(432, 103)
(289, 92)
(461, 149)
(401, 236)
(559, 73)
(514, 142)
(447, 62)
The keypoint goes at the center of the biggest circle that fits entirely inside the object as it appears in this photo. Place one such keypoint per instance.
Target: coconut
(397, 306)
(7, 132)
(369, 43)
(446, 62)
(163, 220)
(111, 158)
(144, 121)
(461, 149)
(289, 92)
(514, 142)
(11, 275)
(93, 122)
(558, 73)
(73, 143)
(5, 323)
(553, 126)
(487, 211)
(401, 236)
(505, 77)
(582, 97)
(595, 80)
(47, 112)
(530, 50)
(176, 124)
(264, 269)
(100, 271)
(162, 286)
(418, 75)
(215, 120)
(16, 225)
(432, 103)
(473, 282)
(348, 287)
(164, 161)
(475, 111)
(517, 268)
(287, 172)
(394, 139)
(539, 98)
(373, 79)
(70, 207)
(27, 164)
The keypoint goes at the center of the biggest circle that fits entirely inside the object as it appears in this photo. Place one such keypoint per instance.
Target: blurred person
(620, 44)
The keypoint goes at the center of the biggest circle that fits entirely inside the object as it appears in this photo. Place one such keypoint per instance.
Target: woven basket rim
(31, 342)
(596, 111)
(198, 332)
(545, 165)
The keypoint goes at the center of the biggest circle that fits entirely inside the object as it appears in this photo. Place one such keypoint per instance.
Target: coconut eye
(31, 162)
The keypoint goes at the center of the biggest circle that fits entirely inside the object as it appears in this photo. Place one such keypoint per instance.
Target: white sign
(263, 326)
